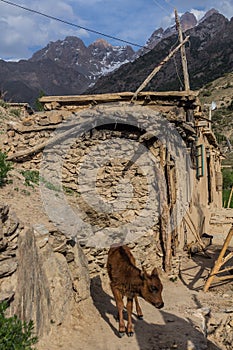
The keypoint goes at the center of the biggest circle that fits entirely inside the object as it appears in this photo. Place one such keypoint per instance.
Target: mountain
(218, 95)
(68, 66)
(209, 56)
(61, 68)
(22, 81)
(187, 21)
(93, 61)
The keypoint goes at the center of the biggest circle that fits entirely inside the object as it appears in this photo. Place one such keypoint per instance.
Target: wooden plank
(117, 96)
(223, 278)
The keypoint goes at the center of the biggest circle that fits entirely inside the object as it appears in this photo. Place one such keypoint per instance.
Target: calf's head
(152, 288)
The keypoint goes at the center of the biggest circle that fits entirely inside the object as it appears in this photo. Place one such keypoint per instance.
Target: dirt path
(179, 325)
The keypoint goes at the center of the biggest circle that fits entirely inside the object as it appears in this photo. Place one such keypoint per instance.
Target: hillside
(219, 93)
(209, 55)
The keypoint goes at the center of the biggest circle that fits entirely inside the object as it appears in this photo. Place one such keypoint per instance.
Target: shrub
(38, 104)
(227, 175)
(5, 167)
(15, 112)
(15, 334)
(31, 177)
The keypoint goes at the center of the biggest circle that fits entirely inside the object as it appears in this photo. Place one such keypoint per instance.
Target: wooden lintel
(119, 96)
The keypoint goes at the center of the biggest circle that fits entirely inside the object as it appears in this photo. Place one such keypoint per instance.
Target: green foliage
(3, 104)
(5, 167)
(31, 177)
(15, 334)
(15, 112)
(220, 137)
(227, 178)
(38, 104)
(206, 93)
(50, 185)
(225, 198)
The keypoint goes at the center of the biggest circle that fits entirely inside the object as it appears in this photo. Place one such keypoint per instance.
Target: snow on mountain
(97, 59)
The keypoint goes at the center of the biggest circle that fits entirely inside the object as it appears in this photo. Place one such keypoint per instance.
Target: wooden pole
(220, 261)
(229, 199)
(183, 54)
(157, 69)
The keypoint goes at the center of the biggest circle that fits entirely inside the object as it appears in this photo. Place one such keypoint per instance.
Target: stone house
(145, 172)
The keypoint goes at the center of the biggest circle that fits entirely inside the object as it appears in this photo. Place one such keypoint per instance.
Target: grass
(5, 167)
(225, 198)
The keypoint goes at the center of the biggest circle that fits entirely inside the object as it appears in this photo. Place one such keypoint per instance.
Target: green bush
(38, 105)
(31, 177)
(5, 167)
(15, 334)
(225, 198)
(227, 175)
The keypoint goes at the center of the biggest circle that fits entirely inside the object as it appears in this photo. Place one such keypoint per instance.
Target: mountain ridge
(70, 67)
(209, 55)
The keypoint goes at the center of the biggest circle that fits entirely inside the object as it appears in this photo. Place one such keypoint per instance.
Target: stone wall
(123, 203)
(42, 275)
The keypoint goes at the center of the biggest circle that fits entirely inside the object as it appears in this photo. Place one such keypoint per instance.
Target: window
(200, 161)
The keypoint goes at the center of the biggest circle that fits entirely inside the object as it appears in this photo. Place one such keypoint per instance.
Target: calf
(128, 280)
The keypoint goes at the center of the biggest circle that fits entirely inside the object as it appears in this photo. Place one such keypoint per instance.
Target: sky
(24, 32)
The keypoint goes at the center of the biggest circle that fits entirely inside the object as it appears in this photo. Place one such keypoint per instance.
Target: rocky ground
(190, 319)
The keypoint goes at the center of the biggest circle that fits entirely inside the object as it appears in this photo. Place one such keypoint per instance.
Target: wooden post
(220, 261)
(183, 54)
(229, 199)
(157, 69)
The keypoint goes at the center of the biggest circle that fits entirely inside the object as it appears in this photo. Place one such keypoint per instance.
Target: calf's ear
(154, 272)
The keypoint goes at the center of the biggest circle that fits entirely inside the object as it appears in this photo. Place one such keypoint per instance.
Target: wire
(168, 2)
(73, 24)
(159, 5)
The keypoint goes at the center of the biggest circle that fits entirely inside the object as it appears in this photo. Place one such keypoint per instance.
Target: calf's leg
(129, 307)
(138, 309)
(120, 306)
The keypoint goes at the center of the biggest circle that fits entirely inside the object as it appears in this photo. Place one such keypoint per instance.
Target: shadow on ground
(175, 333)
(195, 271)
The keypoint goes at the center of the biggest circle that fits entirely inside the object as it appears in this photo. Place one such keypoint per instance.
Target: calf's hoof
(140, 317)
(121, 334)
(130, 334)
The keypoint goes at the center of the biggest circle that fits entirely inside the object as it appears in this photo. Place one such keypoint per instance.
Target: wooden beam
(183, 53)
(118, 96)
(219, 262)
(157, 69)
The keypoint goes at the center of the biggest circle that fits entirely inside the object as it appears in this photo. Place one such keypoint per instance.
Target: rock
(7, 267)
(3, 243)
(7, 296)
(80, 273)
(11, 225)
(55, 118)
(190, 345)
(4, 210)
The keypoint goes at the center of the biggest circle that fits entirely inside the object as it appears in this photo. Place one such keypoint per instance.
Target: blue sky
(22, 32)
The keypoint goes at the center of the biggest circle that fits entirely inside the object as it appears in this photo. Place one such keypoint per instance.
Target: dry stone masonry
(110, 187)
(42, 274)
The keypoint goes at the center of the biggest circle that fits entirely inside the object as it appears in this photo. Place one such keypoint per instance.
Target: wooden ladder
(222, 259)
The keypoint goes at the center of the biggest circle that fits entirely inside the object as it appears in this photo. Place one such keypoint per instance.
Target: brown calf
(128, 280)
